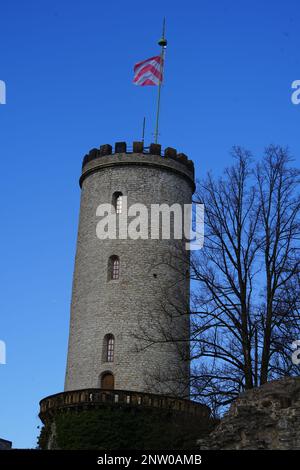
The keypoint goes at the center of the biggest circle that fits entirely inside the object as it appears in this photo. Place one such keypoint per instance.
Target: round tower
(128, 330)
(127, 378)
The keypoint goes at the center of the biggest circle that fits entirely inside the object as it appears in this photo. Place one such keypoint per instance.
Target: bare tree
(245, 311)
(279, 219)
(244, 308)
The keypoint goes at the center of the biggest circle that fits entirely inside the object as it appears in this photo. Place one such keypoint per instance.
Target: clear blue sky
(68, 70)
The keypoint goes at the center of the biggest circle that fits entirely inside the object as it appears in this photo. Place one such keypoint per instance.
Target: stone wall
(119, 419)
(267, 417)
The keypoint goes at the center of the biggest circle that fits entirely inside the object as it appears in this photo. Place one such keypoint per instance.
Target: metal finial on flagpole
(163, 44)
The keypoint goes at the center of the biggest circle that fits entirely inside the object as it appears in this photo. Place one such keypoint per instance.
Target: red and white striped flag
(148, 72)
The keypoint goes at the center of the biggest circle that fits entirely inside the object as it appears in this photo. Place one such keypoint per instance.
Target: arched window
(113, 268)
(117, 202)
(109, 348)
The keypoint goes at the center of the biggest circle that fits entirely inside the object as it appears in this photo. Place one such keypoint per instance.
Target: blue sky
(68, 71)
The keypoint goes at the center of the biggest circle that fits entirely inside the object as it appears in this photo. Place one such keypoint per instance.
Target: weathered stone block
(106, 149)
(138, 147)
(120, 147)
(155, 149)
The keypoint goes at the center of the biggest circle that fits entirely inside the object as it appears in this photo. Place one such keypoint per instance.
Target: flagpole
(143, 133)
(163, 43)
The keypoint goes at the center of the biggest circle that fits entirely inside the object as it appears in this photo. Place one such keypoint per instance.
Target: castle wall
(264, 418)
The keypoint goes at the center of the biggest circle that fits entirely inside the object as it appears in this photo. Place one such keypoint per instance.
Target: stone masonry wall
(267, 417)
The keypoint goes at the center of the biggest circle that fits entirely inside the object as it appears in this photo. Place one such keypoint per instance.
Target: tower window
(113, 268)
(117, 202)
(109, 348)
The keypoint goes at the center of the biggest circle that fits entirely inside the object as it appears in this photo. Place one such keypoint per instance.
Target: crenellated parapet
(138, 148)
(138, 155)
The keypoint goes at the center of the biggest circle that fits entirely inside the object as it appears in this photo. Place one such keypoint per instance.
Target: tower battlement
(138, 155)
(138, 148)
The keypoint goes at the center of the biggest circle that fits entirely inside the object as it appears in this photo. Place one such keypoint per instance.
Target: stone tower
(123, 287)
(127, 378)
